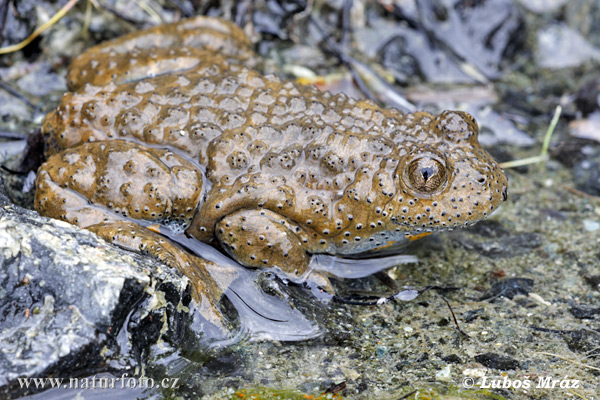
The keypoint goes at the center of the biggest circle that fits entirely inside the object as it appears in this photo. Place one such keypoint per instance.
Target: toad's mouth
(414, 226)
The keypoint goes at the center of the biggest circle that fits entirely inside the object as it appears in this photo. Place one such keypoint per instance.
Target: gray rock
(560, 46)
(542, 6)
(65, 296)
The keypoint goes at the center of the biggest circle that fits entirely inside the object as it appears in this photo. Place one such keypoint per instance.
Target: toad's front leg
(265, 239)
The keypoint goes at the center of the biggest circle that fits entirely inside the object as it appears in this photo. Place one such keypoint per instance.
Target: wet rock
(570, 152)
(446, 98)
(472, 315)
(509, 246)
(559, 46)
(497, 361)
(491, 239)
(452, 358)
(583, 15)
(583, 341)
(11, 148)
(228, 363)
(41, 81)
(65, 296)
(16, 186)
(412, 58)
(497, 129)
(273, 17)
(588, 128)
(590, 225)
(475, 36)
(585, 312)
(22, 21)
(593, 281)
(542, 6)
(12, 110)
(588, 96)
(587, 173)
(509, 288)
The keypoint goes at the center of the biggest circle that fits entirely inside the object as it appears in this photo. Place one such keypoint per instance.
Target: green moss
(262, 393)
(440, 393)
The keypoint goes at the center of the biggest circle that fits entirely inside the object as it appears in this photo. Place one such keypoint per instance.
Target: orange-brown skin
(272, 170)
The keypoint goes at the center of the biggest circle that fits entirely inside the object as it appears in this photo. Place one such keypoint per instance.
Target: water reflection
(261, 315)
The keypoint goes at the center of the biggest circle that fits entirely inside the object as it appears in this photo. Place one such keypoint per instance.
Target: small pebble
(590, 225)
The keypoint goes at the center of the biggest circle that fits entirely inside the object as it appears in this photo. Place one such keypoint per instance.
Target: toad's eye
(426, 174)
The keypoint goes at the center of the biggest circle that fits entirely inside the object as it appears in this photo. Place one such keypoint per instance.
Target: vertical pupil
(426, 172)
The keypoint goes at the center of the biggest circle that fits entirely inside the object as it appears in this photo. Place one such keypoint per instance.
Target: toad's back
(349, 175)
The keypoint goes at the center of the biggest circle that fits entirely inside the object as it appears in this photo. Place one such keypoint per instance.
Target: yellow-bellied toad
(170, 125)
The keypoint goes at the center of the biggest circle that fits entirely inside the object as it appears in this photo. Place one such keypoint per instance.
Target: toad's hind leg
(264, 239)
(134, 237)
(106, 186)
